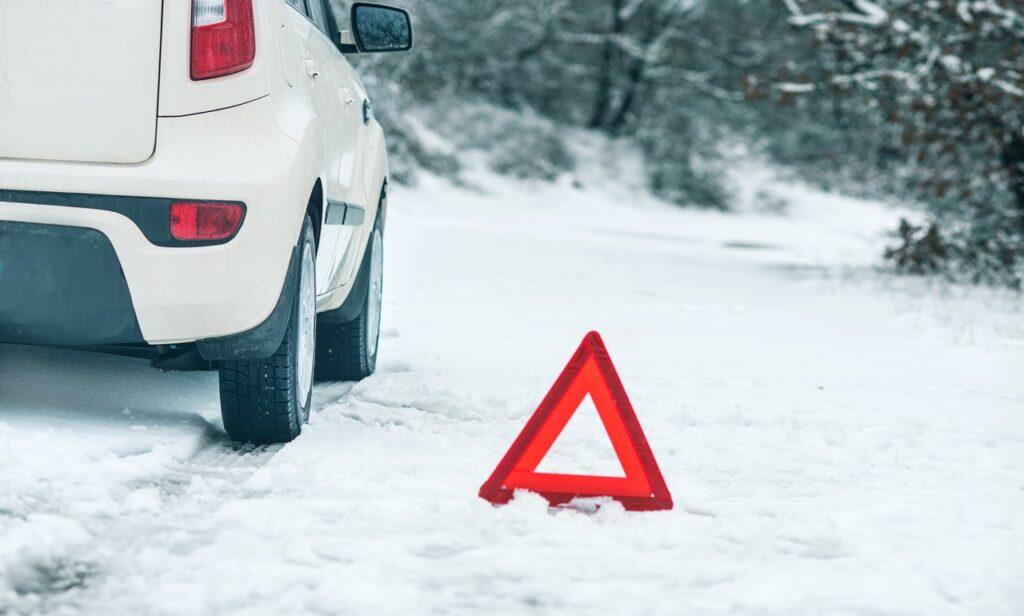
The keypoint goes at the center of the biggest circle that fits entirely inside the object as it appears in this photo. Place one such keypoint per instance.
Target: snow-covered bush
(948, 76)
(678, 168)
(518, 144)
(409, 154)
(440, 137)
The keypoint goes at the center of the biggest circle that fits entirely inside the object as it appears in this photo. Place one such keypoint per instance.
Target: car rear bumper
(183, 294)
(62, 285)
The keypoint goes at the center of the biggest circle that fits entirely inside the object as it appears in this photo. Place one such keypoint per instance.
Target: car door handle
(312, 69)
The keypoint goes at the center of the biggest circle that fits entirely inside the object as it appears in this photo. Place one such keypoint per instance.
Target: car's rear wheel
(347, 351)
(267, 401)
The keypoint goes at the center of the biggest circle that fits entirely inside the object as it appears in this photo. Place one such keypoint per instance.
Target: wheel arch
(315, 209)
(382, 203)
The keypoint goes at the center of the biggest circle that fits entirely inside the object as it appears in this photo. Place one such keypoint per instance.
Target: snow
(580, 450)
(867, 14)
(837, 440)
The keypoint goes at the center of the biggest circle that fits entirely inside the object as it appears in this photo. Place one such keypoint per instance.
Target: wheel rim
(376, 292)
(306, 347)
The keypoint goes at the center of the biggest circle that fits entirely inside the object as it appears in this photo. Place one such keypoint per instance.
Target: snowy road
(836, 441)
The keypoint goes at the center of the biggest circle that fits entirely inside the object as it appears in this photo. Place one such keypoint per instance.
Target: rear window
(316, 13)
(299, 5)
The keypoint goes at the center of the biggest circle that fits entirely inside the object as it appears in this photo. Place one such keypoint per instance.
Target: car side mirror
(377, 28)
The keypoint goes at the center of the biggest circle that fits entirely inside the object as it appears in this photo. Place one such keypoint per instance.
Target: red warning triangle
(590, 371)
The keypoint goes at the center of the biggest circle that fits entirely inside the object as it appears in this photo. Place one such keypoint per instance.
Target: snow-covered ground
(837, 440)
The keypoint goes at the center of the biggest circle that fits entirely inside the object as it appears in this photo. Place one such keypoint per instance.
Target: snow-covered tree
(920, 98)
(949, 75)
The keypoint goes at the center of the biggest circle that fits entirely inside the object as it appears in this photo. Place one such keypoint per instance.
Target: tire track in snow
(173, 508)
(151, 509)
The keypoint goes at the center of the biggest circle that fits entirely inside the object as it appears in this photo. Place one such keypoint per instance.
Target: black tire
(347, 351)
(259, 399)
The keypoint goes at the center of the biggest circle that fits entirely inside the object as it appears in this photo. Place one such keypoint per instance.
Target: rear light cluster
(197, 221)
(223, 37)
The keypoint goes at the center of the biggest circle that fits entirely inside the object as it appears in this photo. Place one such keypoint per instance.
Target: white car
(199, 181)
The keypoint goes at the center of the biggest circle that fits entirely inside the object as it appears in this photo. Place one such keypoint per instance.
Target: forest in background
(914, 100)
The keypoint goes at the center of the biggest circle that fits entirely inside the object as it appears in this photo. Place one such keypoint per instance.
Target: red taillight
(205, 222)
(223, 37)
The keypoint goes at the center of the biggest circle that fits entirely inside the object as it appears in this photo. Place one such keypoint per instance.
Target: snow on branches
(863, 12)
(949, 76)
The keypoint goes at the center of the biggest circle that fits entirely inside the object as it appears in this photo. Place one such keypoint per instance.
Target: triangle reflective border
(590, 371)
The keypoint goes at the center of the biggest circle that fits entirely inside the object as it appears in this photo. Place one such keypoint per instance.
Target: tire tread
(339, 351)
(257, 397)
